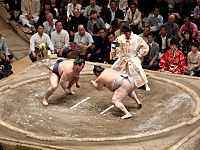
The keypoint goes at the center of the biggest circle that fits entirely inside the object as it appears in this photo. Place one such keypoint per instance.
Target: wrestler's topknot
(79, 61)
(98, 69)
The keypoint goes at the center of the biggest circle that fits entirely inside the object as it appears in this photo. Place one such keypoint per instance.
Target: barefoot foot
(126, 116)
(45, 103)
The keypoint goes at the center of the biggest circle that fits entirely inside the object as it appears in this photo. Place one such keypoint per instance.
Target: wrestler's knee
(54, 87)
(116, 102)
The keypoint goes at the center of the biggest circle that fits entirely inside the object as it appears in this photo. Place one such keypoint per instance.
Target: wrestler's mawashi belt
(118, 81)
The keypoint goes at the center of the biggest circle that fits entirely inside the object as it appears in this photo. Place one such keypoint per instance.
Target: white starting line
(107, 109)
(80, 102)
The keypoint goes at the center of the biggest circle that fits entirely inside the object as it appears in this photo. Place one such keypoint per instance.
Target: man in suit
(150, 61)
(161, 39)
(113, 13)
(100, 42)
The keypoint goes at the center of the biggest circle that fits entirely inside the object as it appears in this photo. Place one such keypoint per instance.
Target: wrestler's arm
(97, 84)
(77, 81)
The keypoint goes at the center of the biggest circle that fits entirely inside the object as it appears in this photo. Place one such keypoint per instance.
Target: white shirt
(150, 44)
(112, 15)
(163, 42)
(49, 29)
(36, 40)
(60, 40)
(70, 8)
(83, 39)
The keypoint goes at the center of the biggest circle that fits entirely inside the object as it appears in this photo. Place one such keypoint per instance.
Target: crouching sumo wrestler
(121, 84)
(61, 72)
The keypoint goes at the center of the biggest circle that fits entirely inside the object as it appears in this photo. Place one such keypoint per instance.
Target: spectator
(60, 40)
(46, 9)
(11, 6)
(150, 61)
(181, 10)
(194, 60)
(70, 7)
(114, 26)
(101, 43)
(95, 23)
(162, 5)
(133, 17)
(173, 60)
(91, 7)
(172, 27)
(36, 40)
(55, 6)
(63, 3)
(5, 56)
(145, 33)
(111, 46)
(188, 25)
(154, 21)
(170, 5)
(30, 13)
(120, 31)
(49, 25)
(123, 5)
(77, 19)
(197, 14)
(185, 44)
(113, 13)
(161, 39)
(83, 41)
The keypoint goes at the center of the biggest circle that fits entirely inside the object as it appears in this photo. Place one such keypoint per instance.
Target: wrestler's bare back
(66, 71)
(108, 77)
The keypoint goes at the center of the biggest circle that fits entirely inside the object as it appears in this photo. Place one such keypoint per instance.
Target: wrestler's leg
(54, 81)
(134, 96)
(118, 96)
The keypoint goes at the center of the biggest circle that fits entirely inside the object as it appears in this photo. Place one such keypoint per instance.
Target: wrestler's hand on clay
(92, 81)
(78, 85)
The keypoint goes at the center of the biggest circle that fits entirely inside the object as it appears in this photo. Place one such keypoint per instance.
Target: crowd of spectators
(71, 28)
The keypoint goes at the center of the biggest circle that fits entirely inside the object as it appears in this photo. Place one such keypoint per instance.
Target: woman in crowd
(173, 60)
(194, 60)
(95, 23)
(185, 44)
